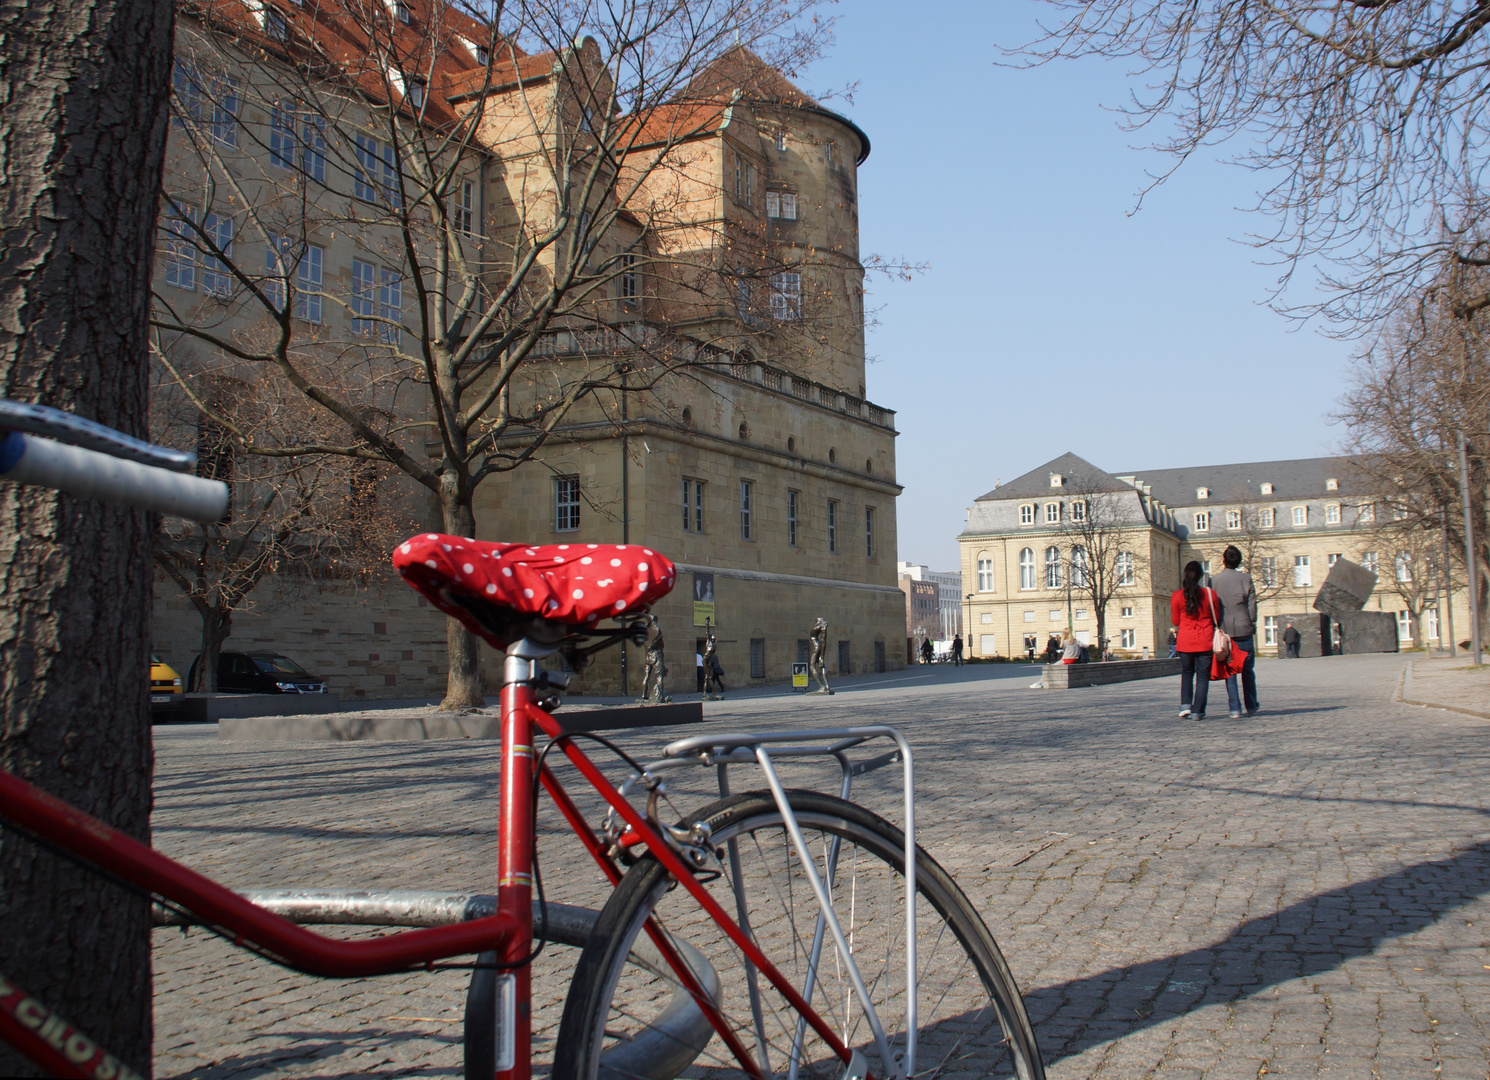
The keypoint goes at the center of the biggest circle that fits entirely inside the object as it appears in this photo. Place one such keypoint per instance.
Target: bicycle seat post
(515, 852)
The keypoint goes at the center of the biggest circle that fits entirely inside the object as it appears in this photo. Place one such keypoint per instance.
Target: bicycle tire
(972, 1022)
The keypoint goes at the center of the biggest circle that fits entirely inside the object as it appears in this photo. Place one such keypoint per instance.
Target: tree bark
(463, 681)
(83, 100)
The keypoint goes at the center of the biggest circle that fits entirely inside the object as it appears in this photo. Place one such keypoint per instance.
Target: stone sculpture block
(1347, 588)
(1368, 632)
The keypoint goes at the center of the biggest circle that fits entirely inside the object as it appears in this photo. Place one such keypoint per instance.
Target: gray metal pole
(1447, 577)
(1469, 556)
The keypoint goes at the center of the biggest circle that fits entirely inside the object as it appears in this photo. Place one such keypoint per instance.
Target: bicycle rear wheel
(970, 1023)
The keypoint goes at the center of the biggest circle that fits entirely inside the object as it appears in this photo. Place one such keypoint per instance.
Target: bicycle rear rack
(764, 749)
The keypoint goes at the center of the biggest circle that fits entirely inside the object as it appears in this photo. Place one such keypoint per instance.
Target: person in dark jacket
(1190, 609)
(957, 650)
(1290, 643)
(1239, 619)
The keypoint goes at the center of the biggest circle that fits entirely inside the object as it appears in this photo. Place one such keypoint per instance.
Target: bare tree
(469, 331)
(325, 518)
(1255, 535)
(1415, 554)
(1101, 562)
(1423, 383)
(1365, 122)
(83, 128)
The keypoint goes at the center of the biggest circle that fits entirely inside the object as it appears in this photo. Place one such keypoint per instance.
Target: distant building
(922, 609)
(1292, 520)
(949, 595)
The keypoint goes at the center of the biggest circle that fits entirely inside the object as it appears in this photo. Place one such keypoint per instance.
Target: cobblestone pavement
(1448, 683)
(1299, 894)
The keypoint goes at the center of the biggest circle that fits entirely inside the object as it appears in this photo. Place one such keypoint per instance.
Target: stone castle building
(1291, 519)
(758, 465)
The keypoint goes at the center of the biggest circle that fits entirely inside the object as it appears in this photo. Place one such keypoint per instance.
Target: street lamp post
(967, 622)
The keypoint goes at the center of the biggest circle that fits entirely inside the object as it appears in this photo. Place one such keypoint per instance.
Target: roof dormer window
(1267, 488)
(1202, 493)
(416, 94)
(1332, 484)
(276, 26)
(402, 13)
(1056, 480)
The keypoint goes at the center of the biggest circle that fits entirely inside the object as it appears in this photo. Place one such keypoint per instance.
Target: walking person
(1239, 619)
(1173, 649)
(926, 651)
(1070, 648)
(957, 651)
(1290, 643)
(1190, 609)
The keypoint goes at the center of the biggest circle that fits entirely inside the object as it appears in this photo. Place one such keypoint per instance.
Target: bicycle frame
(54, 1044)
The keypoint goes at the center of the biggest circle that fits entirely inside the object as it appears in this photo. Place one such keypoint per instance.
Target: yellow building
(744, 446)
(1291, 519)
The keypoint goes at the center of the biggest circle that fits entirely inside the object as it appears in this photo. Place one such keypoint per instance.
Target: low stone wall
(1068, 676)
(417, 725)
(214, 708)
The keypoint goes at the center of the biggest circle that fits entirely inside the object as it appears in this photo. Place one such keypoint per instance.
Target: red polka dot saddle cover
(575, 584)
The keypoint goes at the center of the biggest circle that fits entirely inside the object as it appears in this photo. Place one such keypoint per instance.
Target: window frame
(1124, 568)
(630, 281)
(1026, 513)
(747, 510)
(1300, 517)
(1053, 513)
(833, 526)
(1301, 563)
(869, 549)
(786, 296)
(985, 575)
(792, 498)
(566, 503)
(1053, 576)
(178, 246)
(1267, 518)
(1332, 514)
(1202, 521)
(217, 279)
(1027, 570)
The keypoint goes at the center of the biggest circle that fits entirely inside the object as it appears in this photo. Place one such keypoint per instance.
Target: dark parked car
(262, 673)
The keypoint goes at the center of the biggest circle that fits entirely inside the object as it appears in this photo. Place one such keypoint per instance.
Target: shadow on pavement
(1315, 935)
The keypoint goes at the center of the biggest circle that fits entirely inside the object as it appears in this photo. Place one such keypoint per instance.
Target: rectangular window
(1129, 637)
(1027, 514)
(401, 12)
(1053, 513)
(832, 152)
(1055, 614)
(465, 209)
(630, 280)
(1368, 560)
(750, 183)
(693, 505)
(791, 518)
(1332, 557)
(1265, 518)
(224, 126)
(1202, 521)
(364, 285)
(308, 281)
(1403, 566)
(986, 618)
(1368, 513)
(376, 178)
(868, 532)
(1268, 570)
(773, 204)
(1301, 571)
(178, 251)
(276, 26)
(188, 92)
(745, 491)
(416, 94)
(985, 575)
(284, 140)
(786, 297)
(1300, 516)
(1029, 616)
(566, 503)
(1270, 630)
(1430, 624)
(757, 658)
(781, 204)
(216, 280)
(313, 148)
(986, 645)
(1404, 627)
(739, 177)
(1127, 613)
(1080, 613)
(1332, 514)
(1233, 519)
(833, 527)
(1078, 510)
(1124, 568)
(781, 138)
(1205, 566)
(390, 305)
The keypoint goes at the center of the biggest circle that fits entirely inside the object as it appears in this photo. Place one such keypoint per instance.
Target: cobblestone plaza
(1301, 894)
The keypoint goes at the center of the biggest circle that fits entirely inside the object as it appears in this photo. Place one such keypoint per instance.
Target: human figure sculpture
(713, 670)
(817, 667)
(656, 669)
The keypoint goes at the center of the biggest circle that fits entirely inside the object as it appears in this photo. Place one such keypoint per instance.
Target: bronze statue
(656, 668)
(713, 670)
(817, 666)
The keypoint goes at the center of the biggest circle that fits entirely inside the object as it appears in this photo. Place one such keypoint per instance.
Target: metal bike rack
(763, 749)
(672, 1041)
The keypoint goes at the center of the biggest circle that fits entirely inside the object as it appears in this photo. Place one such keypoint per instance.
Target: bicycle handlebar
(27, 459)
(76, 431)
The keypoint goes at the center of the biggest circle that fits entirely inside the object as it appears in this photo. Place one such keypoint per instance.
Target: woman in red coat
(1191, 609)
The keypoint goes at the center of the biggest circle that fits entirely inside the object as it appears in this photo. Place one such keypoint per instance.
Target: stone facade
(1293, 517)
(751, 453)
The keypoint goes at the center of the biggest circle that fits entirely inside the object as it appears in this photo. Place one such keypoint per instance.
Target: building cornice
(787, 579)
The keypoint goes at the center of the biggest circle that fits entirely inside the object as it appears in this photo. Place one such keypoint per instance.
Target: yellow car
(165, 684)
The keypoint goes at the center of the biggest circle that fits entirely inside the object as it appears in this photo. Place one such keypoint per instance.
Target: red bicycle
(773, 933)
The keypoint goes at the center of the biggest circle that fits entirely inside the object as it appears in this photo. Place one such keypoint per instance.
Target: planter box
(1069, 676)
(213, 708)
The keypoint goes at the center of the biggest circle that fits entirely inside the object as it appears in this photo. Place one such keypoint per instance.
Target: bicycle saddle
(496, 590)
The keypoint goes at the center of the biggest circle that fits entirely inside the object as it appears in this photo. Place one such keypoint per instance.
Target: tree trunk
(217, 625)
(82, 132)
(463, 681)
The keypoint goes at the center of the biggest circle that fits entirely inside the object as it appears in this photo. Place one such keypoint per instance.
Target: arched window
(1027, 568)
(1078, 567)
(1052, 567)
(985, 573)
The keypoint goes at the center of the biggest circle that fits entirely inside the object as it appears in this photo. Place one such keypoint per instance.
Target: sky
(1052, 317)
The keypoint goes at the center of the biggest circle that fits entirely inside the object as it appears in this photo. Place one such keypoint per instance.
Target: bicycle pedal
(858, 1068)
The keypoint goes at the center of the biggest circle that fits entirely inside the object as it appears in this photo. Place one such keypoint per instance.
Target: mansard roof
(1296, 478)
(1082, 473)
